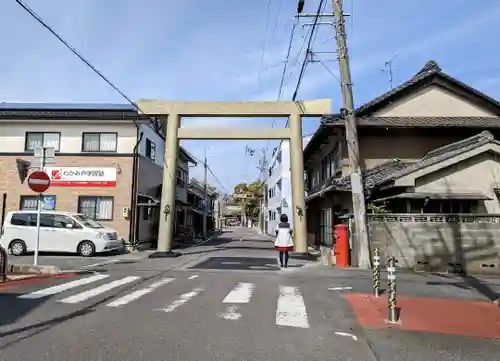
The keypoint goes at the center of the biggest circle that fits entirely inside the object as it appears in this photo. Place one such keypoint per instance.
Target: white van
(59, 232)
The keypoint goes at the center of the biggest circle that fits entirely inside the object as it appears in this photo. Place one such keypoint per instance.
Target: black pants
(284, 259)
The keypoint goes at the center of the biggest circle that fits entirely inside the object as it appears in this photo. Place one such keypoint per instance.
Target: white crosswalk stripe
(139, 293)
(290, 308)
(98, 290)
(62, 287)
(183, 299)
(242, 293)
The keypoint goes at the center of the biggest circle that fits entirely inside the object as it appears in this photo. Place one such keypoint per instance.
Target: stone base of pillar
(165, 254)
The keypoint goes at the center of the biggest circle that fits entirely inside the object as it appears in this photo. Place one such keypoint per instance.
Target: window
(97, 208)
(150, 149)
(99, 142)
(31, 202)
(181, 178)
(23, 219)
(38, 140)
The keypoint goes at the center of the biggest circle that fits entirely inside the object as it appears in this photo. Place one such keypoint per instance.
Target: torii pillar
(175, 111)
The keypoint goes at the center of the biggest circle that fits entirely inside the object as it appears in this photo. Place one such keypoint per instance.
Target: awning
(474, 195)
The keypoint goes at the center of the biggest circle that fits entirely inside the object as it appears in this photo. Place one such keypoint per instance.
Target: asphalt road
(224, 300)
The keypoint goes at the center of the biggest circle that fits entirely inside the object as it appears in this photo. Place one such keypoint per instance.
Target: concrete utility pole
(205, 196)
(358, 198)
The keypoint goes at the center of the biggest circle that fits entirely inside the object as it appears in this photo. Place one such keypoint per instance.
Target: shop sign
(81, 176)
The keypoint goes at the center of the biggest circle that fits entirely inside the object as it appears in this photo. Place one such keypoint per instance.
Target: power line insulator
(300, 6)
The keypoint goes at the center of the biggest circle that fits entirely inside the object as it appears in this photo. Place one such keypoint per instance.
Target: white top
(283, 236)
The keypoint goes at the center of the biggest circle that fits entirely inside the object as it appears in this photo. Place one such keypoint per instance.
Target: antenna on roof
(389, 69)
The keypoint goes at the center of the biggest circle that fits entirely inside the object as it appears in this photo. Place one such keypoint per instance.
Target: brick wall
(67, 197)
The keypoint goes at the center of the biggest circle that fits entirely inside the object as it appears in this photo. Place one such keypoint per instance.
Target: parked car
(59, 232)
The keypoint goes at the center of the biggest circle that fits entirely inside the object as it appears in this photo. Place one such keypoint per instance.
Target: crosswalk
(290, 306)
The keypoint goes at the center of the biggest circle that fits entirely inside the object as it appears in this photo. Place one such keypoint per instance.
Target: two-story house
(422, 150)
(108, 163)
(198, 202)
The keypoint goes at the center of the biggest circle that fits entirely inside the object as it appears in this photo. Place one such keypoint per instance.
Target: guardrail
(3, 264)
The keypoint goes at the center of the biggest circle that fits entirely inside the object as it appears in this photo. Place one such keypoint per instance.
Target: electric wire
(102, 76)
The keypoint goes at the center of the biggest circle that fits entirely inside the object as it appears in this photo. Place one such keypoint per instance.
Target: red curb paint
(446, 316)
(33, 280)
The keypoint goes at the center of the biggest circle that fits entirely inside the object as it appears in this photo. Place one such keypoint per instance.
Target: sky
(223, 50)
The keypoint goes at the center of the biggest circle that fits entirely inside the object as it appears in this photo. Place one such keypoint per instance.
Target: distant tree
(249, 196)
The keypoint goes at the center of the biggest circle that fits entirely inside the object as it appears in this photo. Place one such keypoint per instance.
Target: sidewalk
(426, 285)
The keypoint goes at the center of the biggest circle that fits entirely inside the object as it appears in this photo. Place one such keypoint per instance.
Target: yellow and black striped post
(391, 294)
(376, 272)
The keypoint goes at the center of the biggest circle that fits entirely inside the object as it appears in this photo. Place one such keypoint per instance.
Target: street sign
(39, 181)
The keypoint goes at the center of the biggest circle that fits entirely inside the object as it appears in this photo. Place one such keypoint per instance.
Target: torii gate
(175, 110)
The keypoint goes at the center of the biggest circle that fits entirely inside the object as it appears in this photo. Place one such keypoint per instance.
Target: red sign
(39, 181)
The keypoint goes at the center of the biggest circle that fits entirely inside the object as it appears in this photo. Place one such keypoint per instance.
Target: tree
(249, 196)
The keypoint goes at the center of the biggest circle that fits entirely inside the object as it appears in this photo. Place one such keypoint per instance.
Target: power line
(100, 74)
(304, 63)
(308, 50)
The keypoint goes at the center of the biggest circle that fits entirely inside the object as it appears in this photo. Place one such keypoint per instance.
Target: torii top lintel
(306, 108)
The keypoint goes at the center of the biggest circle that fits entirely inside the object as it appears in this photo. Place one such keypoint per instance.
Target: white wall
(13, 134)
(281, 172)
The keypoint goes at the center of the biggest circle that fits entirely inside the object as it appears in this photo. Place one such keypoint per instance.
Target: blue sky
(219, 50)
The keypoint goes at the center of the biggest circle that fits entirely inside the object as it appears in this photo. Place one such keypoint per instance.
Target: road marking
(181, 300)
(355, 338)
(139, 293)
(340, 288)
(241, 293)
(291, 309)
(230, 262)
(193, 277)
(98, 290)
(231, 313)
(100, 263)
(62, 287)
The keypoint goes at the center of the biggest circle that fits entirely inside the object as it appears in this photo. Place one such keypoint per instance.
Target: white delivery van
(59, 232)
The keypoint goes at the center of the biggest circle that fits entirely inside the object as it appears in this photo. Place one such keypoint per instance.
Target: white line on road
(98, 290)
(231, 313)
(100, 263)
(62, 287)
(193, 277)
(291, 309)
(139, 293)
(355, 338)
(182, 300)
(241, 293)
(340, 288)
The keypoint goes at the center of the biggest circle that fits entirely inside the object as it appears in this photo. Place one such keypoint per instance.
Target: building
(278, 187)
(195, 211)
(427, 149)
(108, 163)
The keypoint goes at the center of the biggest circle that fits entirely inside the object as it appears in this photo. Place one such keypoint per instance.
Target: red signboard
(39, 181)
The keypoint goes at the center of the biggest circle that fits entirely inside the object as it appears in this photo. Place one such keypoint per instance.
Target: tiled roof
(430, 70)
(421, 122)
(396, 169)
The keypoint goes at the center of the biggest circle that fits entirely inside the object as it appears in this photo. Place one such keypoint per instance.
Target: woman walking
(284, 240)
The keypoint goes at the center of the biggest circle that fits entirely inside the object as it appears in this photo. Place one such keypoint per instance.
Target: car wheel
(86, 249)
(17, 247)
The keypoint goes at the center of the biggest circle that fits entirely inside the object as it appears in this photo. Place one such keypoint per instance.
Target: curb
(33, 279)
(31, 269)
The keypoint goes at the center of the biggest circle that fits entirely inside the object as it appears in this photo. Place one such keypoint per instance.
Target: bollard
(391, 294)
(376, 272)
(3, 264)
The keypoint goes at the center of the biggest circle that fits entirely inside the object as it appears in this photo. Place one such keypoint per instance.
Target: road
(223, 300)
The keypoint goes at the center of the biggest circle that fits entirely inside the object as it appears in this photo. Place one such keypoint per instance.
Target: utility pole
(205, 196)
(358, 198)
